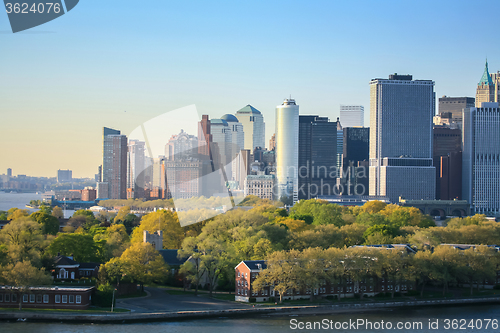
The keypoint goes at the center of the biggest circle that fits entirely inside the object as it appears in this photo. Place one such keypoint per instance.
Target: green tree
(23, 239)
(57, 212)
(21, 276)
(81, 246)
(283, 272)
(143, 264)
(50, 224)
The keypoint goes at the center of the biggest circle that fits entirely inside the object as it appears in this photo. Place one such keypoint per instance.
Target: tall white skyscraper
(237, 142)
(221, 136)
(253, 127)
(287, 148)
(352, 115)
(481, 158)
(401, 111)
(136, 167)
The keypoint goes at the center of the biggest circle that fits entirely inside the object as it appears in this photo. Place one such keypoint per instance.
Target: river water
(438, 316)
(20, 200)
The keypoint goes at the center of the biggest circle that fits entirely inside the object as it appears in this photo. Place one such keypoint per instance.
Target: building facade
(71, 298)
(135, 168)
(63, 176)
(401, 138)
(488, 88)
(253, 127)
(287, 146)
(318, 144)
(352, 115)
(481, 159)
(260, 185)
(451, 108)
(355, 160)
(114, 163)
(447, 157)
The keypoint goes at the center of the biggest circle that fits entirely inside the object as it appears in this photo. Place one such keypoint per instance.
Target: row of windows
(243, 292)
(243, 284)
(246, 275)
(39, 298)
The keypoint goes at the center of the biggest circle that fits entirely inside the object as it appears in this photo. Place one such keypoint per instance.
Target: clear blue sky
(61, 82)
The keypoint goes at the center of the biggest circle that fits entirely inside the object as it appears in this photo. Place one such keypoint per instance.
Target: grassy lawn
(91, 310)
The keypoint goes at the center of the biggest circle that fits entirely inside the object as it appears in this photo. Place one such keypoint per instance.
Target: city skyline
(178, 55)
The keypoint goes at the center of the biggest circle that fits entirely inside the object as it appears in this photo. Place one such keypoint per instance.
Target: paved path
(158, 300)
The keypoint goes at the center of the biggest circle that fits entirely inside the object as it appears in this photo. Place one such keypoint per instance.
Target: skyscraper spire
(486, 78)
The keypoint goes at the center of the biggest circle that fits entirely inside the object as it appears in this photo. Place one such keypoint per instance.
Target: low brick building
(247, 271)
(68, 269)
(47, 297)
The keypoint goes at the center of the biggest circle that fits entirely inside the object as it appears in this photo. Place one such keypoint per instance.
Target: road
(160, 301)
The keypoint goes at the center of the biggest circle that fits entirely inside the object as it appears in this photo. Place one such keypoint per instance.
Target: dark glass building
(355, 161)
(317, 157)
(447, 157)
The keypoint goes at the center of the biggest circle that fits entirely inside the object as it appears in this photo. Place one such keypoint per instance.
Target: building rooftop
(170, 257)
(248, 109)
(486, 78)
(229, 118)
(218, 122)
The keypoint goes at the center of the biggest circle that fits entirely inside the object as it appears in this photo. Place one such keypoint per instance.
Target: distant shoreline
(133, 317)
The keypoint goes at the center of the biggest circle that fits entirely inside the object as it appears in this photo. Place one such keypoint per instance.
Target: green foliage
(321, 211)
(81, 246)
(103, 296)
(50, 224)
(306, 218)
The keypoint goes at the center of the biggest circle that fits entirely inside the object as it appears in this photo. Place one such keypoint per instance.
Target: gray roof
(248, 109)
(252, 264)
(229, 118)
(170, 257)
(218, 122)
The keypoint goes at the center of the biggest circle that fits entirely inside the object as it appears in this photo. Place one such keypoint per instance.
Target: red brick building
(47, 297)
(68, 269)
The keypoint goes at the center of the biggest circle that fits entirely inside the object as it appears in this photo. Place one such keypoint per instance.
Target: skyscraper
(488, 88)
(114, 163)
(317, 157)
(447, 156)
(340, 144)
(9, 172)
(355, 157)
(237, 142)
(253, 127)
(136, 168)
(401, 111)
(481, 159)
(451, 107)
(287, 146)
(352, 115)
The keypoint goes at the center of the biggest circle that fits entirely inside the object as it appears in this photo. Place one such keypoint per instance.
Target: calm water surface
(282, 324)
(20, 200)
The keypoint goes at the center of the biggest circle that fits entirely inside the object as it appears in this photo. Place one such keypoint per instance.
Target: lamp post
(113, 300)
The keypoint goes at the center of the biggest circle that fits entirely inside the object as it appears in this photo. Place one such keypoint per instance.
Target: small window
(78, 299)
(65, 298)
(1, 297)
(25, 298)
(7, 298)
(72, 298)
(246, 275)
(39, 298)
(238, 283)
(14, 298)
(32, 298)
(45, 298)
(238, 274)
(58, 299)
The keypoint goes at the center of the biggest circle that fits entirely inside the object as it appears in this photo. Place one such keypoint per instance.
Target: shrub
(103, 296)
